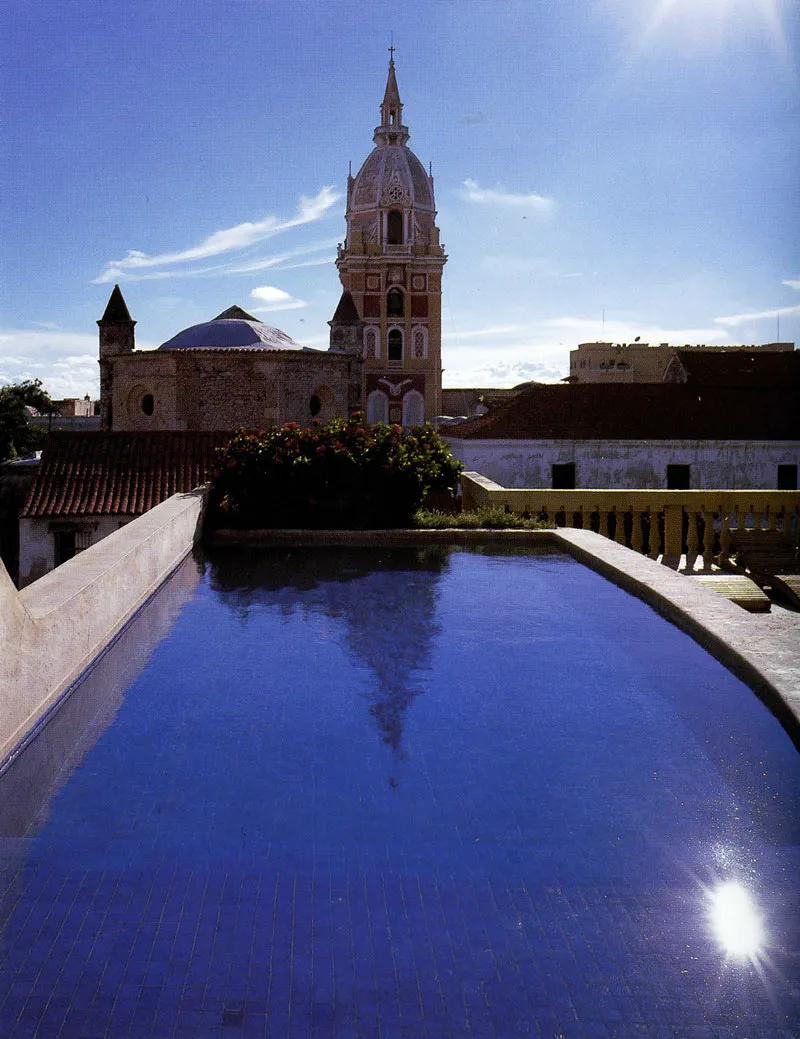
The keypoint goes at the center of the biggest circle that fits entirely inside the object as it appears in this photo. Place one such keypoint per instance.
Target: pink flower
(321, 449)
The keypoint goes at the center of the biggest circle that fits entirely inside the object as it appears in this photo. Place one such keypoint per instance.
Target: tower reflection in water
(390, 634)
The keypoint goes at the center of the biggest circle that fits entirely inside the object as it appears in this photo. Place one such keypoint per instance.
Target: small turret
(347, 328)
(116, 337)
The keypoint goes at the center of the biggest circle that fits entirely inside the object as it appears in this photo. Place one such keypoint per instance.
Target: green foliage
(17, 436)
(341, 475)
(482, 519)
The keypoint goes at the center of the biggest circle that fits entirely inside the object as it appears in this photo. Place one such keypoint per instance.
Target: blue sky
(632, 157)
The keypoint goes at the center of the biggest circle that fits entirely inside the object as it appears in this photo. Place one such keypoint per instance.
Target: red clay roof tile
(100, 474)
(639, 411)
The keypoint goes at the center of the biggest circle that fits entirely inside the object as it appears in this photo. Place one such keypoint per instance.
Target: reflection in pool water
(401, 793)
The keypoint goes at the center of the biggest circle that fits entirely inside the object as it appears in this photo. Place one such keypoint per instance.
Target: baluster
(636, 532)
(708, 539)
(655, 535)
(673, 533)
(692, 542)
(605, 523)
(619, 527)
(725, 533)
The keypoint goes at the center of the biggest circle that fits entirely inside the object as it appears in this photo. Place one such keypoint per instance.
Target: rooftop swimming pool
(401, 793)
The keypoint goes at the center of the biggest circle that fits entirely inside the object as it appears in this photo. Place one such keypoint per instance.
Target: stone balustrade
(654, 522)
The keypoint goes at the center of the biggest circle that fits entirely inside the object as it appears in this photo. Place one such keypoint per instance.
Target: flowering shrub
(344, 474)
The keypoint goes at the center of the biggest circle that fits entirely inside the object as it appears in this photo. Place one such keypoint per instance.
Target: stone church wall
(225, 389)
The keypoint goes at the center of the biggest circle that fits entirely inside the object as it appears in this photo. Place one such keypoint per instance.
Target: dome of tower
(392, 174)
(234, 329)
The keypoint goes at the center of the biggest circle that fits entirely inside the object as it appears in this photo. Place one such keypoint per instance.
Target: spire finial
(392, 108)
(391, 47)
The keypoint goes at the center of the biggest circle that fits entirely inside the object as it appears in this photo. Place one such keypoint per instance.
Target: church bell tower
(391, 265)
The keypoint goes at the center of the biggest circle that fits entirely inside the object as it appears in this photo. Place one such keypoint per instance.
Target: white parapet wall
(52, 630)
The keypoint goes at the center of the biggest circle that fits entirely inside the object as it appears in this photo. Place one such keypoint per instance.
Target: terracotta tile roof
(640, 411)
(102, 474)
(740, 367)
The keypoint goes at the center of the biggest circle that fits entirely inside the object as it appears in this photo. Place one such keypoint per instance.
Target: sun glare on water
(735, 921)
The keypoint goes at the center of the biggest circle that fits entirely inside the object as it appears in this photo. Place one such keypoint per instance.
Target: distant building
(643, 436)
(640, 362)
(74, 407)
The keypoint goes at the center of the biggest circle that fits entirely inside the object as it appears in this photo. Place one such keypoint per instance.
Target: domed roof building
(221, 374)
(234, 329)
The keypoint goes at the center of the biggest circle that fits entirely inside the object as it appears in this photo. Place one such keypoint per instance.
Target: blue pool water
(402, 794)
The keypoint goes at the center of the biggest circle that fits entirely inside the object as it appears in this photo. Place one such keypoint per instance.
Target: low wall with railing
(52, 629)
(656, 523)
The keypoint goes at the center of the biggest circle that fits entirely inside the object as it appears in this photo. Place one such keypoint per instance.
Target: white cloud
(792, 283)
(742, 319)
(473, 192)
(472, 333)
(66, 362)
(506, 355)
(279, 261)
(276, 299)
(227, 240)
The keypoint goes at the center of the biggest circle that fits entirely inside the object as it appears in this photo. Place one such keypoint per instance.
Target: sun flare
(736, 922)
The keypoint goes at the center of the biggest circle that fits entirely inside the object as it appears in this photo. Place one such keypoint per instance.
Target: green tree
(17, 435)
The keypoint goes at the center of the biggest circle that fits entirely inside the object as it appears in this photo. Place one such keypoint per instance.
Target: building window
(314, 405)
(148, 404)
(371, 343)
(394, 350)
(420, 342)
(787, 477)
(562, 476)
(69, 542)
(678, 477)
(394, 228)
(394, 303)
(64, 545)
(377, 407)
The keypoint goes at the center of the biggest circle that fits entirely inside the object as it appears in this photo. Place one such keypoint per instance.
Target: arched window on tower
(394, 227)
(420, 339)
(394, 303)
(377, 407)
(371, 343)
(394, 343)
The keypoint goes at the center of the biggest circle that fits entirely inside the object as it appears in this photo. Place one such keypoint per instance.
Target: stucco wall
(51, 630)
(628, 464)
(37, 540)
